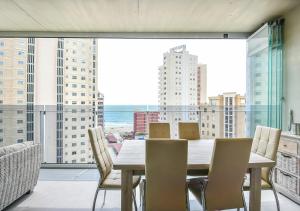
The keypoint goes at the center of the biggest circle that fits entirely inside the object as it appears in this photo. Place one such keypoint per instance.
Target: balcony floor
(73, 189)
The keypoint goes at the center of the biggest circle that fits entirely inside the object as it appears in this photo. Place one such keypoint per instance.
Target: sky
(128, 68)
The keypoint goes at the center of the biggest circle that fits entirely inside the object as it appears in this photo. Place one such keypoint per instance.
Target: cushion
(113, 180)
(265, 143)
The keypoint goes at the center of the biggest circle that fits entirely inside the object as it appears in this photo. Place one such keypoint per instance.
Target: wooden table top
(132, 156)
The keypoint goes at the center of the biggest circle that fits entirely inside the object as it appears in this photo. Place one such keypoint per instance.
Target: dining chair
(189, 130)
(265, 143)
(222, 188)
(159, 130)
(166, 168)
(110, 179)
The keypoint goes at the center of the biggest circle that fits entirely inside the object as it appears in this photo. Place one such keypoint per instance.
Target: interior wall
(291, 66)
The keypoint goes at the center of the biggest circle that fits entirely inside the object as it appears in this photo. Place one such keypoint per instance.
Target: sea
(122, 115)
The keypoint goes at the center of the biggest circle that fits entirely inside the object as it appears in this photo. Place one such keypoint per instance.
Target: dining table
(131, 161)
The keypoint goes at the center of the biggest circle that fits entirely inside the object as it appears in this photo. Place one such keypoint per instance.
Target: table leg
(126, 190)
(255, 189)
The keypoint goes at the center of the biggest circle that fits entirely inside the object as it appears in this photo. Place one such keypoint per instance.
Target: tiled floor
(73, 189)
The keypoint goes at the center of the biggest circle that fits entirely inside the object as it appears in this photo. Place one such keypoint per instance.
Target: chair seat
(264, 185)
(113, 180)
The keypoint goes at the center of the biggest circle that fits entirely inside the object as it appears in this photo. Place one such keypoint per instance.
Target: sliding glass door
(264, 77)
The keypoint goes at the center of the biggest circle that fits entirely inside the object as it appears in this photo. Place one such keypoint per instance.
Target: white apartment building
(100, 110)
(16, 102)
(67, 86)
(178, 87)
(201, 84)
(79, 94)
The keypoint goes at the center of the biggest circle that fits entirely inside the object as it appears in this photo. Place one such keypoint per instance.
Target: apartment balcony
(68, 176)
(77, 180)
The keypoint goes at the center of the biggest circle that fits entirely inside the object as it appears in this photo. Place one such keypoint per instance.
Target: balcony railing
(62, 130)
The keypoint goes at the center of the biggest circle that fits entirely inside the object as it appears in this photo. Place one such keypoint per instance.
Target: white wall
(292, 66)
(45, 74)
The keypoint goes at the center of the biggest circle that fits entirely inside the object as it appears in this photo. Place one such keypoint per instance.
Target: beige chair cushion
(159, 130)
(256, 139)
(272, 147)
(265, 143)
(113, 180)
(189, 130)
(100, 151)
(166, 168)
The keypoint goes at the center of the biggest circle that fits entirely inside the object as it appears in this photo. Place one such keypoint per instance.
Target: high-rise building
(67, 85)
(234, 115)
(212, 118)
(100, 109)
(223, 116)
(48, 94)
(178, 91)
(201, 84)
(142, 120)
(16, 90)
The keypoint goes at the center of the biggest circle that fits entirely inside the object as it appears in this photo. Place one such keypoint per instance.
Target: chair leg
(244, 201)
(276, 198)
(203, 202)
(141, 192)
(144, 196)
(273, 188)
(95, 198)
(104, 197)
(187, 200)
(134, 200)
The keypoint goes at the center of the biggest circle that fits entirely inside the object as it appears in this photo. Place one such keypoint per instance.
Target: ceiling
(87, 16)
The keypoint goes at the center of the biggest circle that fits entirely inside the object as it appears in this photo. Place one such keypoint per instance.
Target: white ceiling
(139, 15)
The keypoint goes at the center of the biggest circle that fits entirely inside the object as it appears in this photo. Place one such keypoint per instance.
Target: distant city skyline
(128, 68)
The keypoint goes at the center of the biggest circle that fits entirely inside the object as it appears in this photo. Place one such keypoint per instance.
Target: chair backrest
(226, 173)
(189, 130)
(100, 151)
(265, 143)
(166, 169)
(159, 130)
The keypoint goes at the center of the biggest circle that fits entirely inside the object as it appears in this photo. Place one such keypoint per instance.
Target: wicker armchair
(19, 171)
